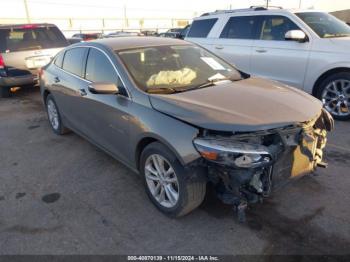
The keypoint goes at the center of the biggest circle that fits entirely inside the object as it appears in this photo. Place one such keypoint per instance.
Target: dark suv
(23, 50)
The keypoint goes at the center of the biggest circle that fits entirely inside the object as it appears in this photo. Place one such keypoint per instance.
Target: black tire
(191, 190)
(4, 91)
(326, 82)
(60, 129)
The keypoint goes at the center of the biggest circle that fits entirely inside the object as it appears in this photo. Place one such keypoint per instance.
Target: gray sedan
(182, 118)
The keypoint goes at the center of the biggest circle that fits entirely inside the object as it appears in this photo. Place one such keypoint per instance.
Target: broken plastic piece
(322, 164)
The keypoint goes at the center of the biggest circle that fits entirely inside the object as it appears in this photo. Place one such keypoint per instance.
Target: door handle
(82, 92)
(261, 50)
(219, 47)
(56, 79)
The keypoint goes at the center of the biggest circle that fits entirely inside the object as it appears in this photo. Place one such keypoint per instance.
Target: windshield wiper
(170, 90)
(210, 82)
(167, 90)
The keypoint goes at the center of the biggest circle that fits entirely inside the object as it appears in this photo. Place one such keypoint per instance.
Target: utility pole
(267, 3)
(300, 4)
(27, 10)
(126, 23)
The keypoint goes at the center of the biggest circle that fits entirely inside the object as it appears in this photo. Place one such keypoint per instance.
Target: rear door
(29, 47)
(236, 40)
(68, 85)
(276, 58)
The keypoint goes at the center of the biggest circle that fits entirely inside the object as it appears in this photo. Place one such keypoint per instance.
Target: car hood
(333, 45)
(248, 105)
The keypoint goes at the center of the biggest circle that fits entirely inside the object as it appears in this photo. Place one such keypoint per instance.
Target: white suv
(306, 49)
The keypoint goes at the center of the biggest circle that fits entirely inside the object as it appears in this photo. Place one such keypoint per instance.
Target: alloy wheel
(336, 97)
(53, 114)
(161, 180)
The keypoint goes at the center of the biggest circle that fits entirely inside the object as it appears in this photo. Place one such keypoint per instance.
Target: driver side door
(105, 116)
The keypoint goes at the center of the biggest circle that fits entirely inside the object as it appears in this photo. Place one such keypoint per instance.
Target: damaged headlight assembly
(233, 153)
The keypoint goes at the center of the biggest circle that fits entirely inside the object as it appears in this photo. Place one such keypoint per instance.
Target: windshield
(325, 25)
(169, 69)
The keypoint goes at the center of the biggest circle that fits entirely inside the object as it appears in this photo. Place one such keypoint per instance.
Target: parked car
(305, 49)
(122, 34)
(24, 49)
(74, 40)
(176, 32)
(184, 32)
(88, 36)
(182, 117)
(149, 33)
(169, 34)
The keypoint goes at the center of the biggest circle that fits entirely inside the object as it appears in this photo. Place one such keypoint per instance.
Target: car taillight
(2, 63)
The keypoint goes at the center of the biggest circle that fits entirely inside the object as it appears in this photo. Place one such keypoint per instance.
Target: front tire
(334, 92)
(54, 116)
(167, 183)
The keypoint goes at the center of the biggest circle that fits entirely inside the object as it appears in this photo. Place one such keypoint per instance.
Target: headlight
(233, 153)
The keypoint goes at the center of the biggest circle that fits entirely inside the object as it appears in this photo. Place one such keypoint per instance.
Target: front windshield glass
(170, 69)
(325, 25)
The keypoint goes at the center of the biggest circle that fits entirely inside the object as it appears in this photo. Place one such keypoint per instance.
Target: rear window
(240, 28)
(201, 28)
(23, 39)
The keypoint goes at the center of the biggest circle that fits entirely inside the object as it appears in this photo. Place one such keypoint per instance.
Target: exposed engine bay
(246, 167)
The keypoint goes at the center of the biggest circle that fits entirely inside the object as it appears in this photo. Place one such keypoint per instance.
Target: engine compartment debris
(246, 167)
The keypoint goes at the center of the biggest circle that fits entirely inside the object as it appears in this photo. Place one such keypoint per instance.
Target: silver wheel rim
(161, 180)
(336, 97)
(53, 115)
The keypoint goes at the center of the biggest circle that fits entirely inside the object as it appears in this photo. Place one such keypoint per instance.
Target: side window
(59, 59)
(73, 61)
(201, 28)
(240, 27)
(275, 27)
(99, 68)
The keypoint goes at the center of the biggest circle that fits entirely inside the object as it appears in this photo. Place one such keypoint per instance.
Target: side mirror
(296, 35)
(103, 88)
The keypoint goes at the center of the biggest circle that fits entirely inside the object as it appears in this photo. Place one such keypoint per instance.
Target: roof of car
(8, 26)
(252, 11)
(128, 42)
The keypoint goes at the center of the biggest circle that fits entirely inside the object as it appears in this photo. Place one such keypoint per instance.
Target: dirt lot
(62, 195)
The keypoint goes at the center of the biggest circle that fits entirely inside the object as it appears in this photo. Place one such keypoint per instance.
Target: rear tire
(334, 92)
(4, 92)
(191, 192)
(54, 116)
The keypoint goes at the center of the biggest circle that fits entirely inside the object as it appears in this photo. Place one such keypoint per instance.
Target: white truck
(307, 49)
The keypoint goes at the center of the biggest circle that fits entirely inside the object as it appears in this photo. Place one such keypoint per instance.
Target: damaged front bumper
(245, 167)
